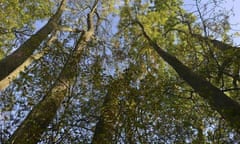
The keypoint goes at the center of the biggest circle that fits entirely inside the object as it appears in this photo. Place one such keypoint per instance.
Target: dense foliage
(118, 89)
(17, 21)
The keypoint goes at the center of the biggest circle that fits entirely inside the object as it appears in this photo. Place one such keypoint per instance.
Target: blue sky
(235, 18)
(236, 8)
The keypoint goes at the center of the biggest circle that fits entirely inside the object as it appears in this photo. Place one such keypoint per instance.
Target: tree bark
(18, 57)
(35, 124)
(224, 105)
(105, 127)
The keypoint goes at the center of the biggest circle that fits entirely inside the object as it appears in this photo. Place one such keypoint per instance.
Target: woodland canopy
(125, 71)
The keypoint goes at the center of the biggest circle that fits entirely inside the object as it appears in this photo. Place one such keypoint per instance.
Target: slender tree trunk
(21, 55)
(224, 105)
(30, 131)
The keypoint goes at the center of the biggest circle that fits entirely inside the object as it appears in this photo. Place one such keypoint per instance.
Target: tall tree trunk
(18, 57)
(105, 127)
(35, 124)
(224, 105)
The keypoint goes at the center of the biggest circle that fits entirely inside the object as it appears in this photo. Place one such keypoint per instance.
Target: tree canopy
(132, 71)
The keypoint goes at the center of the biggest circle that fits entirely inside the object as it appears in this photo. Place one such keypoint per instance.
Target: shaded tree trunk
(105, 127)
(14, 61)
(35, 124)
(224, 105)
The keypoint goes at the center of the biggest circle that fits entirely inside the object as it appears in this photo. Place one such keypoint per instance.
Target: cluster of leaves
(17, 20)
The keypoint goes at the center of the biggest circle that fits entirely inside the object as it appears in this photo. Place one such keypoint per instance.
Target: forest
(119, 72)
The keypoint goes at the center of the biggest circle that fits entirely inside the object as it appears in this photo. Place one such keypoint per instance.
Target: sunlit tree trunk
(31, 129)
(224, 105)
(13, 64)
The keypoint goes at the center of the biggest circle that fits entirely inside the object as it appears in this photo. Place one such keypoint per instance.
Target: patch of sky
(229, 7)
